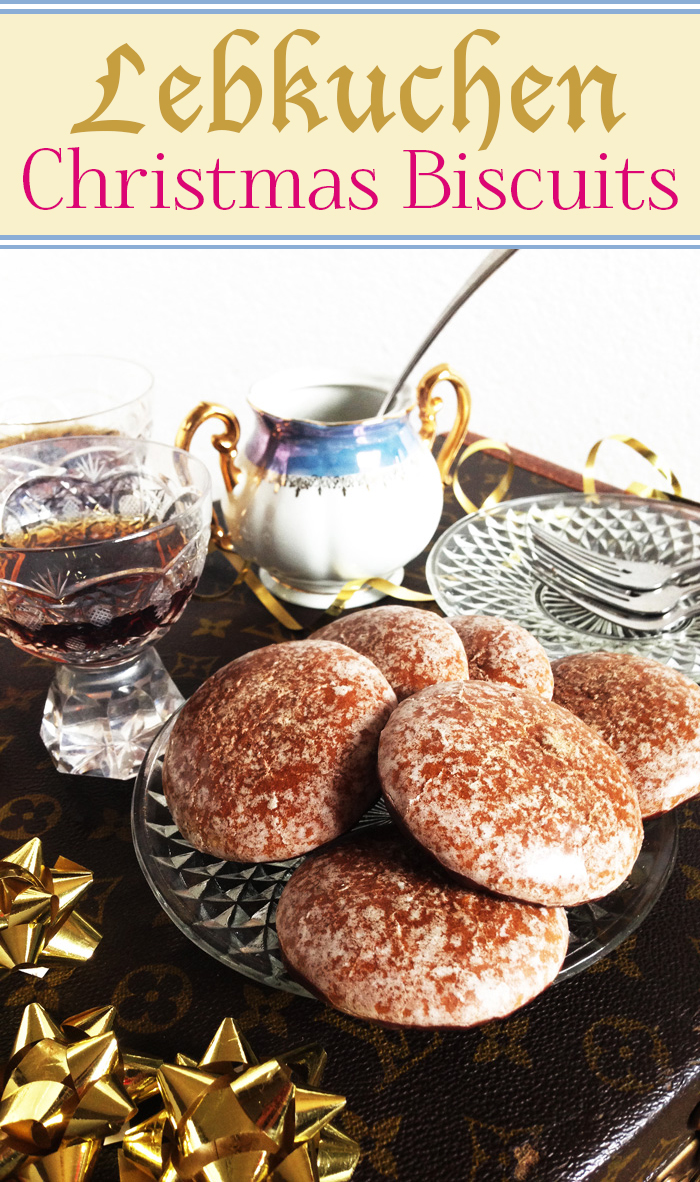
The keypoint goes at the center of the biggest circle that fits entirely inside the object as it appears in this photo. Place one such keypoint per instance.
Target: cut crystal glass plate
(483, 564)
(228, 908)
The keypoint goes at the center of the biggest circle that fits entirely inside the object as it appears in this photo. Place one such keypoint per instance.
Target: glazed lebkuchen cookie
(510, 793)
(380, 934)
(413, 648)
(499, 650)
(277, 752)
(647, 712)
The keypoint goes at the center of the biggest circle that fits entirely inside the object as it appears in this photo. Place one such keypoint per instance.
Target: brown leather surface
(594, 1080)
(540, 467)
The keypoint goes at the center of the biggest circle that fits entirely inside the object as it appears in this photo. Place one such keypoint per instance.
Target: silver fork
(626, 619)
(645, 603)
(632, 574)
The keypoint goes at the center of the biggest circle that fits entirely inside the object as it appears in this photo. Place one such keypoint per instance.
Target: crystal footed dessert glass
(102, 541)
(49, 397)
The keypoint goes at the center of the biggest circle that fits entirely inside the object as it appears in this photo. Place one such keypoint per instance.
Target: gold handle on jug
(429, 404)
(226, 443)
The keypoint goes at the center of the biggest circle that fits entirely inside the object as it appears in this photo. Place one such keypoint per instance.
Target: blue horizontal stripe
(350, 239)
(300, 448)
(327, 246)
(395, 5)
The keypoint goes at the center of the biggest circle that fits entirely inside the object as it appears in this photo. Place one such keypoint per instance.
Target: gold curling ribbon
(429, 404)
(221, 540)
(38, 920)
(393, 590)
(501, 489)
(640, 490)
(245, 574)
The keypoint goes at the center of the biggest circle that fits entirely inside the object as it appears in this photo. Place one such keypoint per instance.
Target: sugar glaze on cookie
(276, 753)
(412, 647)
(500, 650)
(647, 712)
(511, 792)
(382, 935)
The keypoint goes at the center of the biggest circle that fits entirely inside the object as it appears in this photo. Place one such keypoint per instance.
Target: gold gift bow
(63, 1094)
(225, 1119)
(640, 490)
(229, 1118)
(38, 920)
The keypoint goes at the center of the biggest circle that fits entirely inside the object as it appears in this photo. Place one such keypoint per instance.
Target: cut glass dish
(482, 564)
(228, 908)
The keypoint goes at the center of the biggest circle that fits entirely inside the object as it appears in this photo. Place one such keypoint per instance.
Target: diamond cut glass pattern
(103, 540)
(483, 564)
(58, 581)
(228, 908)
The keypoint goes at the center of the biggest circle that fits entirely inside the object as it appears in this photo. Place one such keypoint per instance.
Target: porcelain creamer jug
(325, 489)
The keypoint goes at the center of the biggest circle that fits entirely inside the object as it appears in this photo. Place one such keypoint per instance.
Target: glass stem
(100, 722)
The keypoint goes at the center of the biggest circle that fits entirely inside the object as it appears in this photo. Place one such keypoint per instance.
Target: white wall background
(560, 348)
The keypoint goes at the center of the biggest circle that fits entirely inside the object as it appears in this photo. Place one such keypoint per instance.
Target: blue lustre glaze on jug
(289, 447)
(327, 490)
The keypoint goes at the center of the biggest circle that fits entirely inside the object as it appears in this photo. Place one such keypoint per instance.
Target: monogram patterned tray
(228, 908)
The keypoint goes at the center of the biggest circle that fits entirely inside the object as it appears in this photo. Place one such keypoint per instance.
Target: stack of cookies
(516, 789)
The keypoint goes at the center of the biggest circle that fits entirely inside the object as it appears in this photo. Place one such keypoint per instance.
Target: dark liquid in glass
(84, 589)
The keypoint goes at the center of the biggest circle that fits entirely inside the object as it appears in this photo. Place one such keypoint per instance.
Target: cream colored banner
(354, 125)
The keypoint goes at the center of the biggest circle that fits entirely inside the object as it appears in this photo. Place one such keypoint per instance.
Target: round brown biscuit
(500, 650)
(413, 648)
(647, 712)
(276, 753)
(381, 934)
(511, 793)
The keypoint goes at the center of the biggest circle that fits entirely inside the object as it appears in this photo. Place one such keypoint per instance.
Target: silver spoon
(486, 268)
